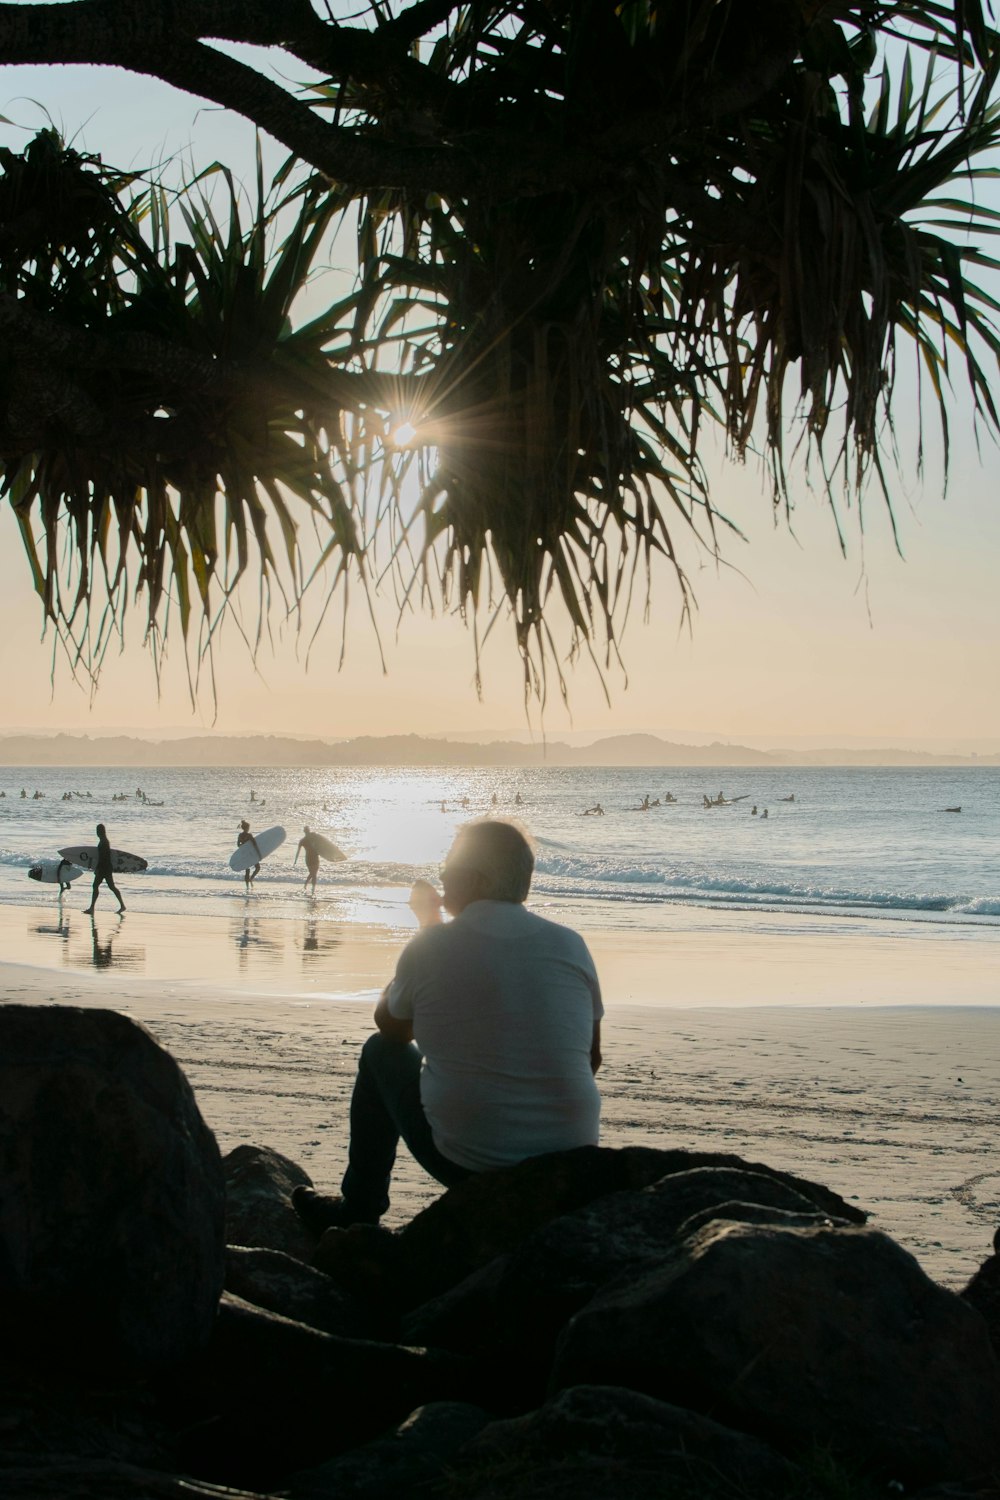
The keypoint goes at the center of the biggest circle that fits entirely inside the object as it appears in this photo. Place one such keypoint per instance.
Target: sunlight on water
(873, 845)
(397, 822)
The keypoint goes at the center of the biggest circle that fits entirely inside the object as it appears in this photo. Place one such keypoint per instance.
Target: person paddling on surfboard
(246, 837)
(308, 845)
(103, 871)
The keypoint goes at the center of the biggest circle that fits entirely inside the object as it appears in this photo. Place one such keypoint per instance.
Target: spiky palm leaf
(578, 342)
(200, 428)
(743, 195)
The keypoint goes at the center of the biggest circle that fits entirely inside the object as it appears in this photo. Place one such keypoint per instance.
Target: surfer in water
(103, 871)
(246, 837)
(308, 846)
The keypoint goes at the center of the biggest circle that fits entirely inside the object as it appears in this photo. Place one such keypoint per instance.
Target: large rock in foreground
(259, 1212)
(268, 1395)
(602, 1441)
(493, 1212)
(111, 1195)
(983, 1293)
(808, 1337)
(104, 1479)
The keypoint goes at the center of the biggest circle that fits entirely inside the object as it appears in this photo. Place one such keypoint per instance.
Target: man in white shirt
(488, 1038)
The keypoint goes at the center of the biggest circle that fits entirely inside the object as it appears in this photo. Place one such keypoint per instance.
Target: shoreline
(711, 960)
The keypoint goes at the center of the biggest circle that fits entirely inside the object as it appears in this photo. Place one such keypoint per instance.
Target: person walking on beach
(103, 871)
(487, 1038)
(246, 837)
(307, 843)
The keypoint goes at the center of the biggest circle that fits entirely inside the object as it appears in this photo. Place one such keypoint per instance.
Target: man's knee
(378, 1046)
(387, 1056)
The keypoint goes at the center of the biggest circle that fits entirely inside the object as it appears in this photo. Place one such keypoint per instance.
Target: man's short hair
(501, 854)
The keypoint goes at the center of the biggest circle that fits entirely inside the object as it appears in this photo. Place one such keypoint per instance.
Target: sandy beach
(831, 1056)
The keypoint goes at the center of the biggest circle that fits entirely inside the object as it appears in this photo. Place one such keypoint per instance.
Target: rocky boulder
(518, 1304)
(269, 1396)
(492, 1212)
(803, 1336)
(259, 1210)
(106, 1479)
(280, 1284)
(111, 1195)
(609, 1442)
(409, 1461)
(983, 1293)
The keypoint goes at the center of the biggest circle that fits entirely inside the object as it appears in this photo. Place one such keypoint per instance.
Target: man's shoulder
(557, 931)
(429, 940)
(514, 920)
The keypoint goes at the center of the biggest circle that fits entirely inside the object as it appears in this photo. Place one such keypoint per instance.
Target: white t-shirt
(503, 1005)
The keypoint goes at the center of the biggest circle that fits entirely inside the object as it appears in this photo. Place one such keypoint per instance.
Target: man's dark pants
(386, 1108)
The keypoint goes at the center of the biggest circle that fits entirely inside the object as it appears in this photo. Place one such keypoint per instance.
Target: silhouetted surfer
(103, 871)
(246, 837)
(308, 845)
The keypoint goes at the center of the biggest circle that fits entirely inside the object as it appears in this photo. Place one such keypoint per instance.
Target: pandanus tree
(588, 235)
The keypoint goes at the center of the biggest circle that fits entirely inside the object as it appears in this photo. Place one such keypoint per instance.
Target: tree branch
(34, 336)
(163, 40)
(416, 20)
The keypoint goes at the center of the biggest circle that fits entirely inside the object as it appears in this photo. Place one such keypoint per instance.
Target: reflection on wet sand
(107, 948)
(60, 929)
(319, 939)
(317, 953)
(253, 940)
(100, 948)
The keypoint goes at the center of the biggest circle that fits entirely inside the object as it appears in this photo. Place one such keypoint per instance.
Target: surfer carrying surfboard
(307, 843)
(246, 837)
(103, 872)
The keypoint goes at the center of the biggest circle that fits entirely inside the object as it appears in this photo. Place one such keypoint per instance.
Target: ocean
(855, 846)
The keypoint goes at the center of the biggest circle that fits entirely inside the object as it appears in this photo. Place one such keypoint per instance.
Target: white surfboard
(246, 855)
(122, 863)
(51, 871)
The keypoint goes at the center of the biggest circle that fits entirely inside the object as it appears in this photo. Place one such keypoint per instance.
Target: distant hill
(416, 750)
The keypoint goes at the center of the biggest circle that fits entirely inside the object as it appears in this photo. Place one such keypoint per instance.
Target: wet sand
(892, 1104)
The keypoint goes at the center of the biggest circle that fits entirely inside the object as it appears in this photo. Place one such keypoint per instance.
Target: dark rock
(409, 1461)
(283, 1285)
(754, 1213)
(519, 1303)
(986, 1489)
(259, 1210)
(832, 1337)
(269, 1396)
(492, 1212)
(609, 1442)
(42, 1414)
(111, 1195)
(104, 1479)
(983, 1293)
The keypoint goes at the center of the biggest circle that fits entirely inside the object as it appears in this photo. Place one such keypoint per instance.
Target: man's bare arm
(595, 1048)
(390, 1025)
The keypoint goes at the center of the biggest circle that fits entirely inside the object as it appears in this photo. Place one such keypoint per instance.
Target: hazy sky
(799, 643)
